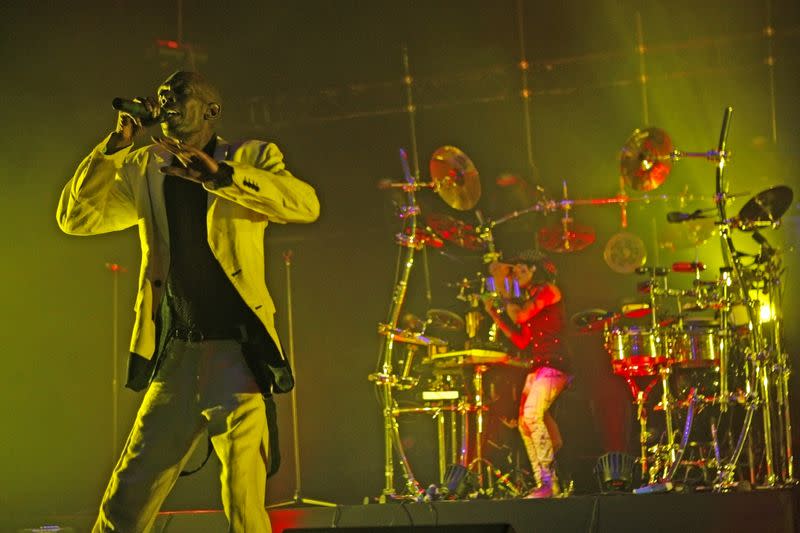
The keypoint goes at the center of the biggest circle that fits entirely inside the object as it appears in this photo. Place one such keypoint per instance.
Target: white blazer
(114, 192)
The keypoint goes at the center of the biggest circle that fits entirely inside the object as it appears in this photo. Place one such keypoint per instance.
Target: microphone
(674, 217)
(136, 109)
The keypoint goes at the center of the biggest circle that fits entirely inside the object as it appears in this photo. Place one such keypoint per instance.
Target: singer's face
(184, 105)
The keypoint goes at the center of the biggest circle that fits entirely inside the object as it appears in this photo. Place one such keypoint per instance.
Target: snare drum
(697, 346)
(635, 351)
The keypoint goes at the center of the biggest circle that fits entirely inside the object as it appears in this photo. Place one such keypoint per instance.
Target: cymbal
(455, 178)
(409, 337)
(767, 206)
(558, 240)
(412, 323)
(444, 319)
(455, 231)
(624, 252)
(644, 160)
(593, 319)
(689, 234)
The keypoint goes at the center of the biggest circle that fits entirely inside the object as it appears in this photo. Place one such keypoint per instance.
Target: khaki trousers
(200, 386)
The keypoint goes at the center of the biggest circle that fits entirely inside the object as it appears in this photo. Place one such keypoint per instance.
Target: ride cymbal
(455, 231)
(766, 207)
(455, 178)
(645, 159)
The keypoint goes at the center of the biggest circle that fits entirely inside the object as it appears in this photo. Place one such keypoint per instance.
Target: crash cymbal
(558, 240)
(455, 178)
(766, 207)
(645, 159)
(444, 319)
(455, 231)
(593, 319)
(689, 234)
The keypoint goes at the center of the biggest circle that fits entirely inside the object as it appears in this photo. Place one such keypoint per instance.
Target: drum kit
(716, 345)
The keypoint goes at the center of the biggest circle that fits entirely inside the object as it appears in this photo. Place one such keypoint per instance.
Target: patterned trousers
(542, 387)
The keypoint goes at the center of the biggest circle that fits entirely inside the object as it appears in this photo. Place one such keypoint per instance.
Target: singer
(204, 344)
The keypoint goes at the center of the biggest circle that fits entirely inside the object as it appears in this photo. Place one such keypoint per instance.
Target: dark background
(324, 81)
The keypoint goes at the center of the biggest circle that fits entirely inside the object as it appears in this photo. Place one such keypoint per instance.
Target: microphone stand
(115, 270)
(297, 499)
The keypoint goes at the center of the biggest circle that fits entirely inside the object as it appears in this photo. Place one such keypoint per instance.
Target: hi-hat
(455, 178)
(558, 239)
(766, 207)
(444, 319)
(455, 231)
(645, 160)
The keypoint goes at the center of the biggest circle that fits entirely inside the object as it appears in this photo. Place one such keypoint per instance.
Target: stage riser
(772, 511)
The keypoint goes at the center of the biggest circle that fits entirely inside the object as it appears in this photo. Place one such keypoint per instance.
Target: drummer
(535, 324)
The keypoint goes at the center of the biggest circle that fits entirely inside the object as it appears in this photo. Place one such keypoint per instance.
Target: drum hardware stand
(384, 378)
(640, 396)
(478, 461)
(297, 499)
(687, 429)
(726, 472)
(781, 368)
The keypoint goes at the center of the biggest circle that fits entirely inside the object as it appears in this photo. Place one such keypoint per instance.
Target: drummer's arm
(515, 334)
(548, 295)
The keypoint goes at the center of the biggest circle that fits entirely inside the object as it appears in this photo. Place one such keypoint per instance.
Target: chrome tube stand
(755, 351)
(385, 378)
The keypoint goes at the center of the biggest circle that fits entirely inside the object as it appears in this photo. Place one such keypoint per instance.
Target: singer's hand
(198, 166)
(128, 126)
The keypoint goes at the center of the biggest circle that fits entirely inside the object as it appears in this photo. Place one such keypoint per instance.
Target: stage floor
(773, 511)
